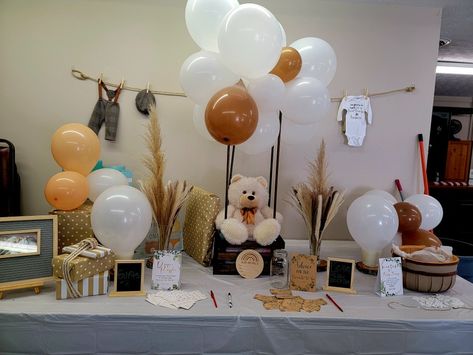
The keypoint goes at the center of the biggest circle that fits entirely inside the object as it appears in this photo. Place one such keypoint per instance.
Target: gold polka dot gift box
(82, 267)
(73, 226)
(199, 224)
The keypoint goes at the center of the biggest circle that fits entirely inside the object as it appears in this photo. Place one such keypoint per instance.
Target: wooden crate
(225, 254)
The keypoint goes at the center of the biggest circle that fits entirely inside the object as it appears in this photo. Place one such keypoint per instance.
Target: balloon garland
(247, 44)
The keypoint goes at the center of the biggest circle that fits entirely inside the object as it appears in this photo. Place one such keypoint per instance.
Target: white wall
(380, 47)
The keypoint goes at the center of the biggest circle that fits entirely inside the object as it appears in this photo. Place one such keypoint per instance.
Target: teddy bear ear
(262, 181)
(235, 178)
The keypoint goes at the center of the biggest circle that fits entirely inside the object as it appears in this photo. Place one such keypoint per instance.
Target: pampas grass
(315, 201)
(166, 200)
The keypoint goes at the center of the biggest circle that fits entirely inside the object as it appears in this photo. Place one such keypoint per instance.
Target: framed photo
(340, 275)
(27, 246)
(129, 278)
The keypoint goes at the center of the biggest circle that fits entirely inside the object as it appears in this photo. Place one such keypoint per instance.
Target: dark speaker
(438, 145)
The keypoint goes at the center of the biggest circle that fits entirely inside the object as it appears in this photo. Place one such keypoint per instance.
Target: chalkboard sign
(340, 274)
(129, 278)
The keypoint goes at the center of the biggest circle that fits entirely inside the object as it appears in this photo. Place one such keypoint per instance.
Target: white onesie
(355, 121)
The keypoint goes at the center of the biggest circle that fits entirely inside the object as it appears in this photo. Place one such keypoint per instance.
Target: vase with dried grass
(316, 202)
(166, 199)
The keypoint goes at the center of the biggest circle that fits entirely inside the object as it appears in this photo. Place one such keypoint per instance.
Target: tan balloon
(67, 190)
(231, 115)
(75, 147)
(289, 64)
(421, 237)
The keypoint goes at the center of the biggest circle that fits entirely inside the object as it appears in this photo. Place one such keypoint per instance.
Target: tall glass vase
(315, 250)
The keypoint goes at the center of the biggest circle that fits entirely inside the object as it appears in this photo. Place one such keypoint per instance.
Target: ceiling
(457, 26)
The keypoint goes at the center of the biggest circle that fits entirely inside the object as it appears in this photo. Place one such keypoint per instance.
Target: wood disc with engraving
(249, 264)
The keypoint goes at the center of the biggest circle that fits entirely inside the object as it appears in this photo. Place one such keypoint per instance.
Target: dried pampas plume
(166, 200)
(315, 201)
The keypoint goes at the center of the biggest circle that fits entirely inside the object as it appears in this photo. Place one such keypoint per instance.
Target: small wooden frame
(340, 275)
(29, 269)
(129, 278)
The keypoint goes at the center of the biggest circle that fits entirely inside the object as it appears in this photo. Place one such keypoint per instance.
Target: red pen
(333, 301)
(213, 298)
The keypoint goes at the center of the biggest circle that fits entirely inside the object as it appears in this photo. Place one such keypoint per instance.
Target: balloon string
(271, 174)
(226, 180)
(231, 164)
(277, 166)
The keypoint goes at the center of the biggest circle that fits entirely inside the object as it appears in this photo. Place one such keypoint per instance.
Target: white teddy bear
(248, 214)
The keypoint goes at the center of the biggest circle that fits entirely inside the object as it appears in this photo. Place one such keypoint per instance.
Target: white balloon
(250, 40)
(384, 194)
(267, 91)
(293, 133)
(203, 20)
(318, 59)
(198, 117)
(265, 135)
(306, 100)
(283, 33)
(372, 222)
(121, 218)
(203, 74)
(430, 209)
(101, 179)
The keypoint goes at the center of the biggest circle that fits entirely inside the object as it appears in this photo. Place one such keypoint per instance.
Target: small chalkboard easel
(340, 275)
(129, 278)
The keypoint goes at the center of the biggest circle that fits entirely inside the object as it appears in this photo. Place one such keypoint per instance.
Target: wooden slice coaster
(249, 264)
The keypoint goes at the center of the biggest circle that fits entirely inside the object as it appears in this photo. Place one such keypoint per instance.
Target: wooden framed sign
(129, 278)
(27, 246)
(340, 275)
(303, 272)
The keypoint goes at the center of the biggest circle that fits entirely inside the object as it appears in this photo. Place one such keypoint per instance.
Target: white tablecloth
(38, 324)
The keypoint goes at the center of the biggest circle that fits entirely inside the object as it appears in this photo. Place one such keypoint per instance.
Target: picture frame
(128, 278)
(340, 275)
(32, 268)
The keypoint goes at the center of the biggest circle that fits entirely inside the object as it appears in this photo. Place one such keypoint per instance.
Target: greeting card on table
(166, 273)
(303, 272)
(389, 280)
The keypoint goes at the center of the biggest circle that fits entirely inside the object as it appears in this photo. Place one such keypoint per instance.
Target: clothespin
(122, 83)
(100, 79)
(345, 93)
(147, 87)
(365, 92)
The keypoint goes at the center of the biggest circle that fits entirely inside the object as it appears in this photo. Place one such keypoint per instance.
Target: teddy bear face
(248, 192)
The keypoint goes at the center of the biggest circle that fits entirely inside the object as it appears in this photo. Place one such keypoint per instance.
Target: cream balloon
(121, 218)
(318, 59)
(101, 179)
(372, 222)
(198, 118)
(306, 101)
(203, 74)
(267, 91)
(293, 133)
(430, 209)
(265, 135)
(203, 20)
(250, 40)
(384, 194)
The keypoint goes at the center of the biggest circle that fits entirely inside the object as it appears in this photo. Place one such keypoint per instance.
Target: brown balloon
(289, 64)
(421, 237)
(409, 215)
(231, 115)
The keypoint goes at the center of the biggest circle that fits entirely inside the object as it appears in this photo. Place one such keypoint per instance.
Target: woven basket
(428, 277)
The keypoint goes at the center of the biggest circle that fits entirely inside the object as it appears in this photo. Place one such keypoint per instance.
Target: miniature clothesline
(406, 89)
(82, 76)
